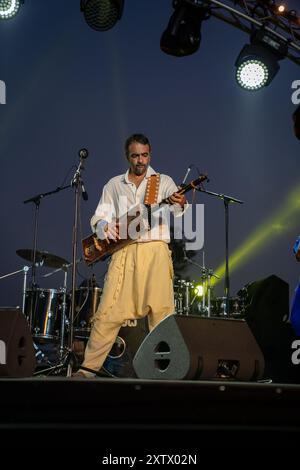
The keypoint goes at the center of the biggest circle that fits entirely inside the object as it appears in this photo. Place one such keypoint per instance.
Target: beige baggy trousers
(139, 282)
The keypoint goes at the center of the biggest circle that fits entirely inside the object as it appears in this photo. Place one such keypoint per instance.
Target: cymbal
(44, 258)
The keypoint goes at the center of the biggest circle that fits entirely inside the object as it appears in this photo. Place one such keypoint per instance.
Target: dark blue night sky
(70, 87)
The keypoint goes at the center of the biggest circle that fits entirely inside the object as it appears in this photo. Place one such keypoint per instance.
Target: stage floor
(111, 415)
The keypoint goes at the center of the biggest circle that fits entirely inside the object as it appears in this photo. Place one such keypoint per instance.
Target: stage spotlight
(257, 63)
(296, 119)
(281, 9)
(102, 15)
(198, 290)
(183, 34)
(9, 8)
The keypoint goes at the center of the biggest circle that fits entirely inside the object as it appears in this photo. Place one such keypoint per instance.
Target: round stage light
(102, 15)
(9, 8)
(257, 63)
(252, 74)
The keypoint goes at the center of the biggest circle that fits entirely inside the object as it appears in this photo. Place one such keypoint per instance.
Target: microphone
(83, 154)
(186, 175)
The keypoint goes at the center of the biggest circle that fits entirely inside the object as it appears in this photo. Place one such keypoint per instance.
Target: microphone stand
(70, 357)
(77, 183)
(227, 200)
(37, 200)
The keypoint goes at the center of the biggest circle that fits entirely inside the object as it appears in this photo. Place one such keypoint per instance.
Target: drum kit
(198, 298)
(192, 298)
(47, 310)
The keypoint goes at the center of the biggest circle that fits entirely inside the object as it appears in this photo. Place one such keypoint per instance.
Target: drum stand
(62, 350)
(63, 322)
(210, 273)
(206, 276)
(64, 319)
(63, 316)
(24, 270)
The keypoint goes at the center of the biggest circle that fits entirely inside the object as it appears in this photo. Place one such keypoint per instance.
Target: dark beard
(140, 171)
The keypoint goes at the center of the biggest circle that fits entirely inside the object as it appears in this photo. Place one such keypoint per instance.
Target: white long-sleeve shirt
(120, 195)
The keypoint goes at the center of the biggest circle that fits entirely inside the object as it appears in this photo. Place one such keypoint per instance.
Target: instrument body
(95, 249)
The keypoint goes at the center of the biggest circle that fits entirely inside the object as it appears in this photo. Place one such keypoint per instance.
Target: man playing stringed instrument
(139, 280)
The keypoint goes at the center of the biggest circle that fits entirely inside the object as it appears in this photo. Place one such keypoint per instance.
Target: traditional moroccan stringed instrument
(95, 249)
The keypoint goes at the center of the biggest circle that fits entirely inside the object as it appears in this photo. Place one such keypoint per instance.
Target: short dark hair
(140, 138)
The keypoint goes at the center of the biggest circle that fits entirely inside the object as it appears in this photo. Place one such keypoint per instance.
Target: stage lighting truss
(102, 15)
(9, 8)
(252, 15)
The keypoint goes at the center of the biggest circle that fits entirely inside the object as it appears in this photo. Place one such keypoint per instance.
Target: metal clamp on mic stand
(227, 200)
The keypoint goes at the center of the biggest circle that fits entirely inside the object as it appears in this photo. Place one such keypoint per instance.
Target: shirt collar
(150, 171)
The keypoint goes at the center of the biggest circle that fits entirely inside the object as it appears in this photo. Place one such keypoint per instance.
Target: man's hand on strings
(177, 198)
(112, 231)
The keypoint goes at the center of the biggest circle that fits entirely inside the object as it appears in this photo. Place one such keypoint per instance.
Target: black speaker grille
(101, 15)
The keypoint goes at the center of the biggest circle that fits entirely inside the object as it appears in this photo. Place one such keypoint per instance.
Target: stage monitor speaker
(267, 314)
(193, 347)
(267, 301)
(17, 355)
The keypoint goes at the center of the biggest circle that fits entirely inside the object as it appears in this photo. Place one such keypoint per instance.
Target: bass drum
(120, 358)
